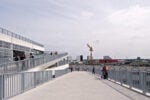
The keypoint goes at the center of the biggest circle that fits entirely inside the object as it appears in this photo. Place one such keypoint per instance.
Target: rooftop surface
(80, 86)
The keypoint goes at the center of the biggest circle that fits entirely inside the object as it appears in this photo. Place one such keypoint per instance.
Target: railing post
(121, 76)
(142, 81)
(43, 77)
(28, 64)
(34, 79)
(116, 73)
(18, 66)
(1, 87)
(43, 60)
(22, 82)
(129, 79)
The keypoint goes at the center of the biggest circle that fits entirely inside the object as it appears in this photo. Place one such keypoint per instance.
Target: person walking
(71, 68)
(23, 57)
(93, 70)
(32, 63)
(105, 72)
(31, 55)
(17, 63)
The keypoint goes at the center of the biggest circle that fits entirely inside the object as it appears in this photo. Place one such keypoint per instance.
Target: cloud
(131, 28)
(135, 16)
(131, 23)
(68, 25)
(86, 15)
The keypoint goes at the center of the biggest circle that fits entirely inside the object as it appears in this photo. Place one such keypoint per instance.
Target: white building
(12, 45)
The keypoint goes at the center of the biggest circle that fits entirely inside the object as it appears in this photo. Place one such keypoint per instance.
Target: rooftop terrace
(80, 85)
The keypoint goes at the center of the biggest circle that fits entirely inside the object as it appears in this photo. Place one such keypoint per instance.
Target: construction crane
(91, 50)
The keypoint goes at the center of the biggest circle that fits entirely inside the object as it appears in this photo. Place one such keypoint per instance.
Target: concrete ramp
(80, 86)
(46, 65)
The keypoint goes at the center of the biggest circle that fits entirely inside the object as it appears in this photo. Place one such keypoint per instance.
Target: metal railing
(133, 78)
(6, 32)
(18, 66)
(17, 83)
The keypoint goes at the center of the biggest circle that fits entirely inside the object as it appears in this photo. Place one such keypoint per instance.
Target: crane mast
(91, 55)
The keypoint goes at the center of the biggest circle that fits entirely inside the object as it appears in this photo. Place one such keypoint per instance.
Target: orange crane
(91, 50)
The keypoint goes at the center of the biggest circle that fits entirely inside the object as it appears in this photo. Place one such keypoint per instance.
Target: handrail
(133, 78)
(22, 65)
(9, 33)
(13, 84)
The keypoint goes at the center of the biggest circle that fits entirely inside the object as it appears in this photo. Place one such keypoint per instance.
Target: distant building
(13, 45)
(106, 57)
(78, 58)
(70, 58)
(138, 58)
(88, 58)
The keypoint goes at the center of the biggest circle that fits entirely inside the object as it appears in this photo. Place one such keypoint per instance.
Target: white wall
(5, 38)
(13, 40)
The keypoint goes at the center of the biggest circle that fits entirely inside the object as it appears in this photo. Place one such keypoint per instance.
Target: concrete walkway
(80, 86)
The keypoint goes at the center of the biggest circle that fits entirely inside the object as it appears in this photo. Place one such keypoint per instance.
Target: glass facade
(5, 51)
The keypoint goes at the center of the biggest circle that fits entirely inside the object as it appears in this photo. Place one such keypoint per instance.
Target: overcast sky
(118, 28)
